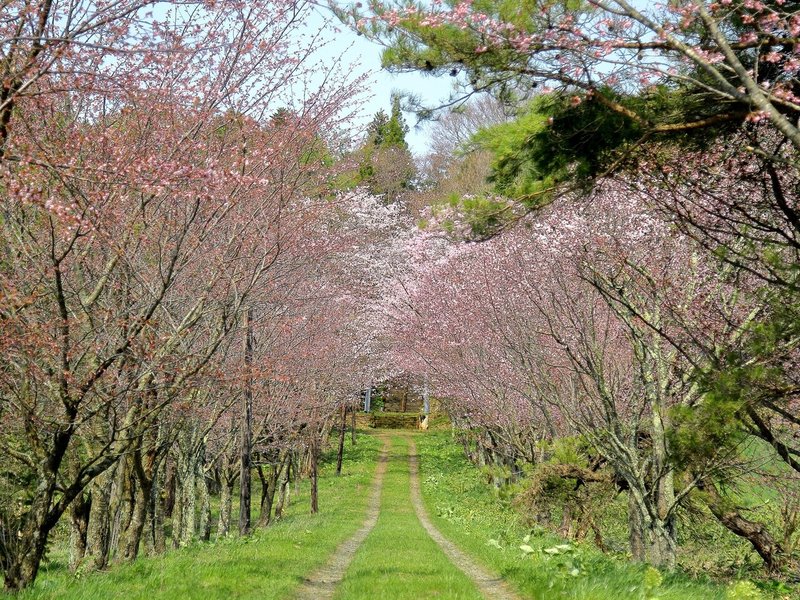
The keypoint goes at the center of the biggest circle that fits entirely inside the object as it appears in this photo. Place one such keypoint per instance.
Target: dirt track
(492, 586)
(321, 584)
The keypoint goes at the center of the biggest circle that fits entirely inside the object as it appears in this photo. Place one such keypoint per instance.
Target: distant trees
(385, 165)
(456, 166)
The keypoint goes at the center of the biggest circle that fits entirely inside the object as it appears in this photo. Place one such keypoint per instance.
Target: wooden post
(342, 431)
(353, 425)
(245, 476)
(314, 476)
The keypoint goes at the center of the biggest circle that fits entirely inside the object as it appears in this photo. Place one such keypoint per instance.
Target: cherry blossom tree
(144, 201)
(585, 321)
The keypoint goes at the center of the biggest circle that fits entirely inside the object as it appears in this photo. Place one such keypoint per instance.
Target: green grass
(269, 564)
(398, 559)
(466, 510)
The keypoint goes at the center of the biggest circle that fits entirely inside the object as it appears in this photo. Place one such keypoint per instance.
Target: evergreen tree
(377, 127)
(389, 131)
(394, 134)
(387, 167)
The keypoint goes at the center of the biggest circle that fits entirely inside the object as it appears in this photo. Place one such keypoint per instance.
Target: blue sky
(366, 54)
(342, 42)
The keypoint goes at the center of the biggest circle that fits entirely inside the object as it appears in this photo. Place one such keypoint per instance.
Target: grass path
(491, 585)
(399, 560)
(321, 584)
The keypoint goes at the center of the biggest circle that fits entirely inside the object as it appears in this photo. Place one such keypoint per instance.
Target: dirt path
(491, 585)
(321, 584)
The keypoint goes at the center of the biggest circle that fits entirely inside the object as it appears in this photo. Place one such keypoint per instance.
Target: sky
(366, 54)
(342, 44)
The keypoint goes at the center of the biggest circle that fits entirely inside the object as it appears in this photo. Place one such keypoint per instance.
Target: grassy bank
(467, 510)
(267, 565)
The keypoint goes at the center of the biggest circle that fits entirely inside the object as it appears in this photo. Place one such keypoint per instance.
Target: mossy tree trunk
(285, 486)
(79, 513)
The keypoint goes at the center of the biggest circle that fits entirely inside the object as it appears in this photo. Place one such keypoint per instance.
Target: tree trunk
(225, 508)
(99, 533)
(663, 527)
(22, 567)
(24, 555)
(652, 538)
(353, 426)
(122, 504)
(247, 430)
(268, 484)
(80, 509)
(145, 467)
(205, 506)
(188, 508)
(283, 496)
(662, 545)
(314, 475)
(177, 515)
(565, 529)
(756, 533)
(635, 530)
(157, 537)
(133, 534)
(170, 488)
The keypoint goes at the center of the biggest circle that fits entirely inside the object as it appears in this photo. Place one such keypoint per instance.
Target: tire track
(321, 584)
(491, 586)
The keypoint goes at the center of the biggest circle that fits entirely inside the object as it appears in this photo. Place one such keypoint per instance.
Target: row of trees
(591, 322)
(623, 313)
(185, 299)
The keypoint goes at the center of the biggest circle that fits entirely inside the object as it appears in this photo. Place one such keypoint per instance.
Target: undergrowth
(541, 565)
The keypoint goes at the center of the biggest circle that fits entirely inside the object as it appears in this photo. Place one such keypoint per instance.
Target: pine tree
(389, 131)
(387, 167)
